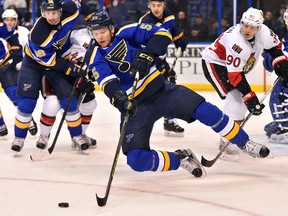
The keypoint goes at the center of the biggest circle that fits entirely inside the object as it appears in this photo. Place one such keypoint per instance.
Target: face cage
(44, 10)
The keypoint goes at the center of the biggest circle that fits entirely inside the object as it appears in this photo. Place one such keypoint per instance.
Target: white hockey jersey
(237, 54)
(23, 33)
(80, 40)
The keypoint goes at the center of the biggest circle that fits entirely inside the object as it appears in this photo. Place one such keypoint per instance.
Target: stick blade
(207, 163)
(38, 156)
(101, 201)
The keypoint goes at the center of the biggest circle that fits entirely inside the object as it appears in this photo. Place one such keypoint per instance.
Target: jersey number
(234, 61)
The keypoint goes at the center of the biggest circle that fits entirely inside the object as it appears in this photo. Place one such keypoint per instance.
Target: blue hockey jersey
(114, 62)
(4, 35)
(47, 42)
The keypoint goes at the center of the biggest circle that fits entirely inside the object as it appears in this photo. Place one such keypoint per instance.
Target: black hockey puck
(63, 204)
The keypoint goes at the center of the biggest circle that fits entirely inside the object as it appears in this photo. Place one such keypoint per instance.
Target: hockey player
(159, 15)
(277, 130)
(45, 53)
(80, 40)
(232, 55)
(9, 73)
(117, 56)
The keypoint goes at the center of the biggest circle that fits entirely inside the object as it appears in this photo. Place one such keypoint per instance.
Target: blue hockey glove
(253, 104)
(280, 65)
(267, 61)
(122, 103)
(180, 41)
(142, 63)
(74, 70)
(85, 86)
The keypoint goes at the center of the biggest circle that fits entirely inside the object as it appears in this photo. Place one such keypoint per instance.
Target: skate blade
(173, 134)
(85, 152)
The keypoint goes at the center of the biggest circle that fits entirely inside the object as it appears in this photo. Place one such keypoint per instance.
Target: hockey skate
(280, 137)
(42, 142)
(230, 153)
(172, 128)
(17, 144)
(33, 129)
(3, 130)
(256, 150)
(91, 142)
(189, 162)
(79, 143)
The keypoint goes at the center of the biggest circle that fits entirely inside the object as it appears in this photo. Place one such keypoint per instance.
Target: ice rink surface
(248, 187)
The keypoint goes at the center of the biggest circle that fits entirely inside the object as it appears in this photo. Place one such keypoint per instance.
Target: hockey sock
(150, 160)
(212, 116)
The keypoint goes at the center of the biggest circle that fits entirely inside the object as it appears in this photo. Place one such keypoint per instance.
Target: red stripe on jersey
(215, 74)
(220, 50)
(234, 78)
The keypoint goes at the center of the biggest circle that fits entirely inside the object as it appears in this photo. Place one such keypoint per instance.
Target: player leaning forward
(45, 54)
(233, 54)
(116, 57)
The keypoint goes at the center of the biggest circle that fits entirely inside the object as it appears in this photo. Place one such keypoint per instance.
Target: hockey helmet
(9, 13)
(50, 5)
(253, 17)
(285, 16)
(99, 20)
(156, 0)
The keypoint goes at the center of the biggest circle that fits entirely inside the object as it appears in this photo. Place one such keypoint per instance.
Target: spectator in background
(182, 23)
(17, 3)
(119, 12)
(274, 24)
(199, 30)
(213, 31)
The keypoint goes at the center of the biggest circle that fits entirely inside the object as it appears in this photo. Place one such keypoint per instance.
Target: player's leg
(3, 128)
(63, 86)
(87, 108)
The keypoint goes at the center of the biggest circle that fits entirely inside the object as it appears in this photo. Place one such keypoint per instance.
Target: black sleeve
(276, 51)
(111, 87)
(158, 44)
(16, 49)
(243, 86)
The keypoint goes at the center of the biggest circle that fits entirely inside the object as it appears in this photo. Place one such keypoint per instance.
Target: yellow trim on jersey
(147, 81)
(28, 52)
(49, 38)
(233, 132)
(171, 17)
(21, 125)
(6, 57)
(74, 123)
(68, 19)
(166, 161)
(126, 26)
(167, 34)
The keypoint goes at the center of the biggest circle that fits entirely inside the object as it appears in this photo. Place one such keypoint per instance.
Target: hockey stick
(210, 163)
(46, 153)
(102, 201)
(177, 55)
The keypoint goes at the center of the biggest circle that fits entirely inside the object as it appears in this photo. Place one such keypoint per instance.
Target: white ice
(249, 187)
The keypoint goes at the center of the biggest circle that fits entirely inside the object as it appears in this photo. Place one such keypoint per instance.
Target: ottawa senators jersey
(47, 42)
(114, 62)
(237, 54)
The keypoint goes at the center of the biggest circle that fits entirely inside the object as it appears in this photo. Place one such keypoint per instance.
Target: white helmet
(285, 16)
(10, 13)
(253, 17)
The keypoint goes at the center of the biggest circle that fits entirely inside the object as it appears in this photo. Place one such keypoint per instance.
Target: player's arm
(15, 49)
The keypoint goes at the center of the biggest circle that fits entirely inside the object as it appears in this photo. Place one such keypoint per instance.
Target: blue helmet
(99, 20)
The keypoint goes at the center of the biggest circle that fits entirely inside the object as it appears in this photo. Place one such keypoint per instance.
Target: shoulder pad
(40, 32)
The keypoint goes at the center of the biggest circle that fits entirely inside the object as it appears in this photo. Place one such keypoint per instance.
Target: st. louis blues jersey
(47, 42)
(114, 62)
(4, 35)
(167, 22)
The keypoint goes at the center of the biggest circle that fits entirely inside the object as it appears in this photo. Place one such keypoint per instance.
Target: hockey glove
(74, 70)
(267, 62)
(122, 103)
(85, 86)
(180, 41)
(280, 65)
(142, 63)
(253, 104)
